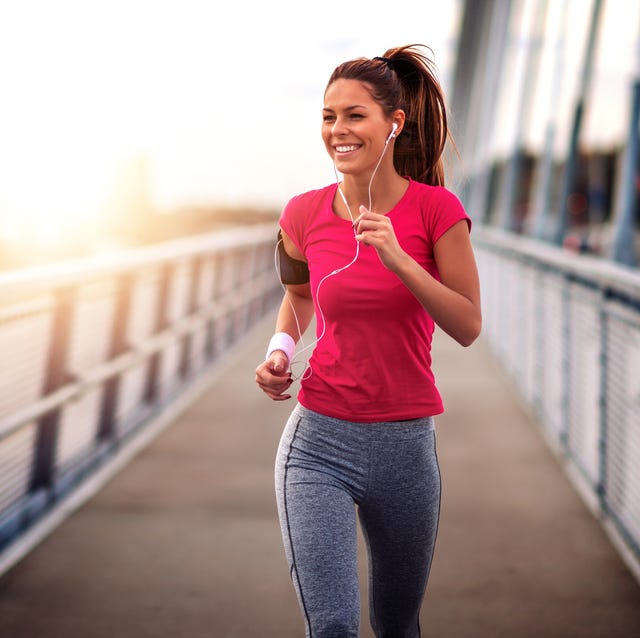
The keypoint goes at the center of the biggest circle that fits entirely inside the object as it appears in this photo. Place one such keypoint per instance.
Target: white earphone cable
(304, 348)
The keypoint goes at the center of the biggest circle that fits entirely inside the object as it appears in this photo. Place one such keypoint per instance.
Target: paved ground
(184, 542)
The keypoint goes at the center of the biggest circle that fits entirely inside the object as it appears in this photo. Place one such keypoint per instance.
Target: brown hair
(404, 78)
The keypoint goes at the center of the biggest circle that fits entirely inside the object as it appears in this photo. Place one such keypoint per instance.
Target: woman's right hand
(273, 376)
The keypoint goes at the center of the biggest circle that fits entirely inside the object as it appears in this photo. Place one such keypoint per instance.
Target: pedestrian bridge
(136, 454)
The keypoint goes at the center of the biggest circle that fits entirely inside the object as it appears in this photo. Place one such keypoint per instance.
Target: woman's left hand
(376, 230)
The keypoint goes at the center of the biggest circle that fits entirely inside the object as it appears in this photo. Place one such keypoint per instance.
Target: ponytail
(418, 151)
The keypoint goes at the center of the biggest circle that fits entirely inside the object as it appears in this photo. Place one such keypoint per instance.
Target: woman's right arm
(273, 376)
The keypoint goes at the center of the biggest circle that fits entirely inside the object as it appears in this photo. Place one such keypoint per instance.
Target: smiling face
(354, 127)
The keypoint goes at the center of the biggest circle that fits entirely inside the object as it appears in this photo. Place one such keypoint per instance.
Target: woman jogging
(378, 257)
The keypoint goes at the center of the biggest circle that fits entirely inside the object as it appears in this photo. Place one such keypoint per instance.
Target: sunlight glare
(218, 110)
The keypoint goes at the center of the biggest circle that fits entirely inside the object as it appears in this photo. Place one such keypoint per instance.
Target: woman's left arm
(454, 301)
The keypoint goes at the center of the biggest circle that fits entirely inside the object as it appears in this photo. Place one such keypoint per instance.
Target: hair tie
(387, 61)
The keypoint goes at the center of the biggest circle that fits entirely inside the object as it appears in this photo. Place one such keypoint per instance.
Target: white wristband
(282, 341)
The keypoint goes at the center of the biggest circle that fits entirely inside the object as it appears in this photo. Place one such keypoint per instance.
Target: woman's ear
(398, 120)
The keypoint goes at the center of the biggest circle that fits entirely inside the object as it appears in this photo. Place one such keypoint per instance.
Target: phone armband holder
(292, 271)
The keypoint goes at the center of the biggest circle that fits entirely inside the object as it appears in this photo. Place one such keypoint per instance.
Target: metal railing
(567, 330)
(92, 350)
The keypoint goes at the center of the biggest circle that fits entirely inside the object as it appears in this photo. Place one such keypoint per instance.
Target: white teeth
(345, 149)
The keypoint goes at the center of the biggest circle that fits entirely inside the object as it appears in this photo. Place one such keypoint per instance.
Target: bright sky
(221, 101)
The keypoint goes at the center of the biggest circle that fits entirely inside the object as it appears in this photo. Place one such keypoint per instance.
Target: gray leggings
(325, 467)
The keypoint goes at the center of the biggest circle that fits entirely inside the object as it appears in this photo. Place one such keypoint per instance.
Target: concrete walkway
(184, 542)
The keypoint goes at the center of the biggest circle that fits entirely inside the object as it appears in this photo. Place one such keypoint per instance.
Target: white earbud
(394, 128)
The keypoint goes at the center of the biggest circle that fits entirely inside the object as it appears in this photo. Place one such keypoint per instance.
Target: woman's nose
(338, 127)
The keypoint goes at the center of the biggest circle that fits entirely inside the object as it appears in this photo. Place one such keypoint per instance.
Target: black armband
(292, 271)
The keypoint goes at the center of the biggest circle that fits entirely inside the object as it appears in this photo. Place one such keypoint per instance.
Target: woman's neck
(385, 191)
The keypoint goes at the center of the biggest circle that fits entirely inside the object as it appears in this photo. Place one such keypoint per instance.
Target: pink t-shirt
(373, 362)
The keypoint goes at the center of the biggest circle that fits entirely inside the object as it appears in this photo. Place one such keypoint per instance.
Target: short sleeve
(291, 221)
(444, 211)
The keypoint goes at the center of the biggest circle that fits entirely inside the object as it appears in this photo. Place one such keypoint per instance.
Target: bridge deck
(184, 541)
